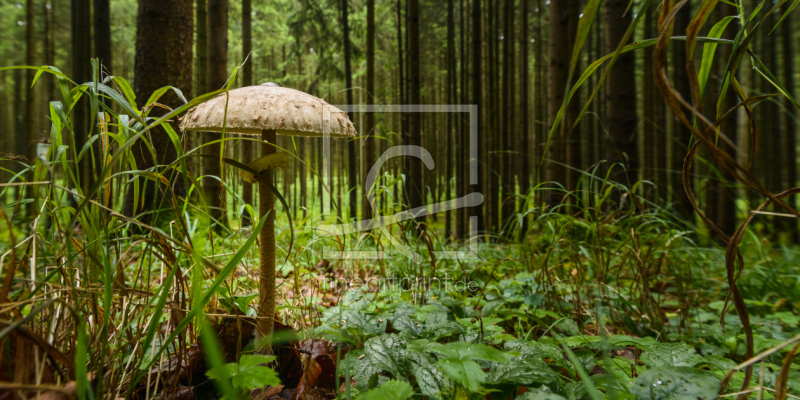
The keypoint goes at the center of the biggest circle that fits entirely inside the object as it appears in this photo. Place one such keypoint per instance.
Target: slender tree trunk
(201, 45)
(524, 112)
(726, 195)
(415, 188)
(81, 72)
(352, 149)
(451, 117)
(773, 154)
(681, 138)
(490, 136)
(50, 56)
(477, 99)
(102, 51)
(790, 131)
(166, 25)
(102, 33)
(620, 144)
(216, 76)
(247, 80)
(541, 93)
(369, 126)
(508, 199)
(30, 103)
(560, 49)
(649, 136)
(573, 137)
(200, 71)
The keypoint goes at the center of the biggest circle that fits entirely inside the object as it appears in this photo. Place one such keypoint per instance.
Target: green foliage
(248, 373)
(389, 390)
(676, 384)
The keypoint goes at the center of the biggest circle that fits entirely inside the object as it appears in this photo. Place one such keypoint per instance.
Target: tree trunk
(560, 49)
(216, 76)
(414, 185)
(620, 144)
(726, 195)
(573, 136)
(81, 72)
(524, 165)
(508, 145)
(30, 102)
(102, 33)
(649, 135)
(50, 55)
(681, 138)
(477, 99)
(201, 46)
(369, 126)
(247, 80)
(790, 131)
(352, 149)
(540, 129)
(490, 136)
(165, 25)
(451, 117)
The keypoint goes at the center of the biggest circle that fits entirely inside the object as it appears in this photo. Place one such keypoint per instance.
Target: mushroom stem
(266, 310)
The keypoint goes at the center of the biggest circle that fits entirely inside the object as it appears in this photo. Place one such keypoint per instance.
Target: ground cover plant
(121, 280)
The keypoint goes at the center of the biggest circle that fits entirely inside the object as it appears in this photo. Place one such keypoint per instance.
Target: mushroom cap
(252, 109)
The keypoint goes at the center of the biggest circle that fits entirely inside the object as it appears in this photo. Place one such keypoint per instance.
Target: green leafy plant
(248, 373)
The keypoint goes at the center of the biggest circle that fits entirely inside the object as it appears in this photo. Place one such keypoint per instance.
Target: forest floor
(581, 306)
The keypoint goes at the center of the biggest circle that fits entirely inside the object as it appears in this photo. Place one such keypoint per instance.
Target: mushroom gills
(272, 161)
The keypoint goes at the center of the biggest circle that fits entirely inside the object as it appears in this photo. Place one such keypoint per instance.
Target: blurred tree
(247, 80)
(216, 77)
(369, 117)
(620, 143)
(81, 72)
(163, 38)
(102, 33)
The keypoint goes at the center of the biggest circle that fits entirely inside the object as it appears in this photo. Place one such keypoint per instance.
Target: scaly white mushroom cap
(255, 108)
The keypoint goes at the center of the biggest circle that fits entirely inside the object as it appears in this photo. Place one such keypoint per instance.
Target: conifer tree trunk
(560, 49)
(726, 195)
(649, 135)
(790, 131)
(477, 97)
(524, 110)
(352, 150)
(415, 186)
(30, 103)
(681, 136)
(201, 45)
(81, 72)
(247, 80)
(541, 89)
(509, 105)
(451, 117)
(50, 55)
(102, 33)
(573, 136)
(620, 144)
(369, 117)
(216, 76)
(166, 25)
(492, 161)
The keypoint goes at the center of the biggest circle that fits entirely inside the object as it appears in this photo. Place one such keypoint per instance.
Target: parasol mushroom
(268, 110)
